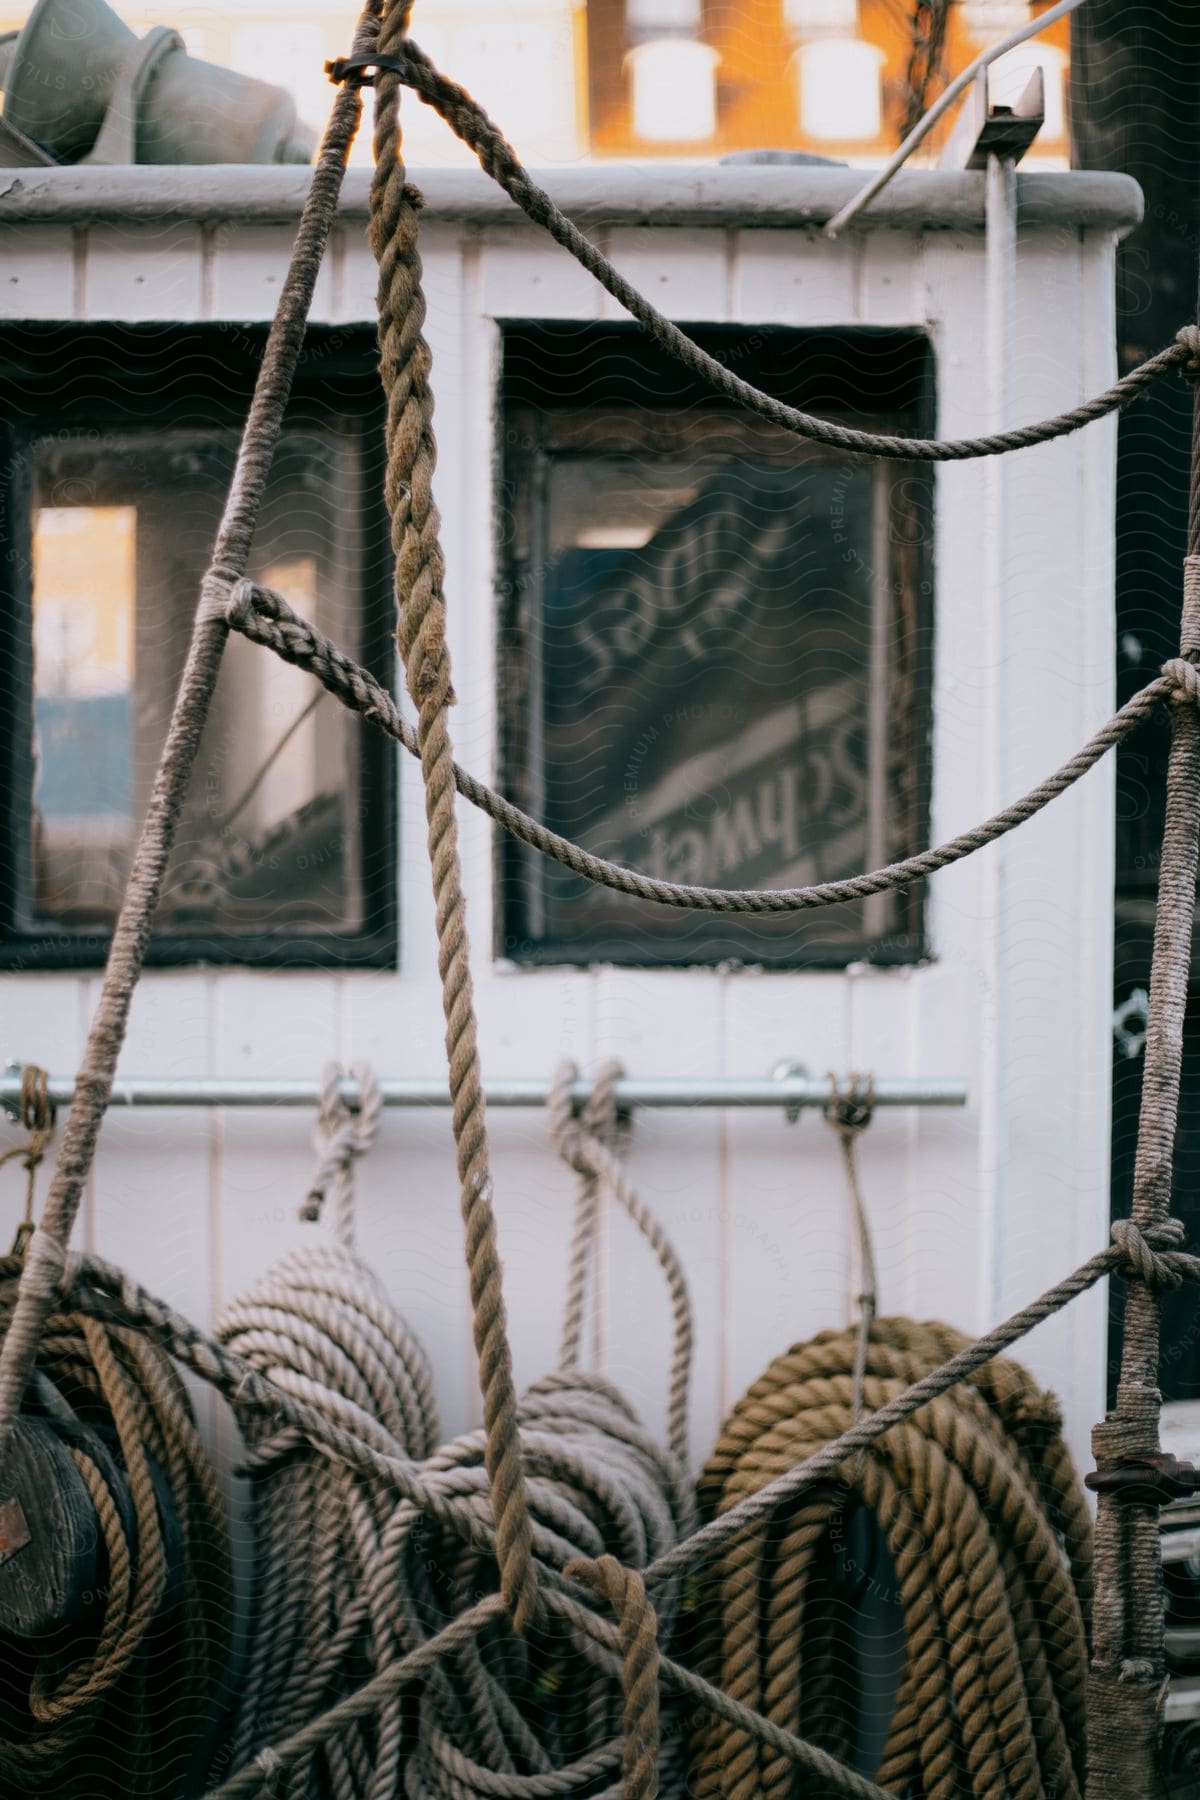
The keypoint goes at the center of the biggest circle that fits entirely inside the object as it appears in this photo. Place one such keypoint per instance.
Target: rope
(38, 1286)
(319, 1327)
(848, 1114)
(101, 1291)
(35, 1111)
(990, 1537)
(421, 639)
(588, 1149)
(265, 617)
(469, 122)
(1129, 1667)
(521, 1717)
(115, 1704)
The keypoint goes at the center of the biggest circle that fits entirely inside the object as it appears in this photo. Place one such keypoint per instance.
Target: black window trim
(338, 367)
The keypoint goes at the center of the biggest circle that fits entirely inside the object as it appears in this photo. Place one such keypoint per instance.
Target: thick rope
(989, 1536)
(319, 1327)
(587, 1146)
(539, 1714)
(265, 617)
(99, 1290)
(421, 637)
(625, 1592)
(467, 119)
(39, 1283)
(1128, 1678)
(117, 1703)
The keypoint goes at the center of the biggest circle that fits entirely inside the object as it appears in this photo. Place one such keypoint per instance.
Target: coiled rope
(115, 1703)
(319, 1326)
(542, 1714)
(987, 1529)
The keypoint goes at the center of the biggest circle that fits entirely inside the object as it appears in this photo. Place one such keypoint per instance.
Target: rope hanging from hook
(849, 1112)
(35, 1111)
(319, 1326)
(968, 1521)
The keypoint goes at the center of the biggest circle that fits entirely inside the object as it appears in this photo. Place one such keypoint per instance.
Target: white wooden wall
(974, 1211)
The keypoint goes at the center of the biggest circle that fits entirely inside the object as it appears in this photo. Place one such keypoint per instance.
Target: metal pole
(792, 1092)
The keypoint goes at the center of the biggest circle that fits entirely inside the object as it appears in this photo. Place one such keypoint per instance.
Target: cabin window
(714, 643)
(118, 446)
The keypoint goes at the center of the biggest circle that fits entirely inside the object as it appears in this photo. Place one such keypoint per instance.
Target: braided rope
(973, 1497)
(421, 638)
(101, 1291)
(318, 1326)
(87, 1715)
(265, 617)
(587, 1148)
(131, 935)
(469, 122)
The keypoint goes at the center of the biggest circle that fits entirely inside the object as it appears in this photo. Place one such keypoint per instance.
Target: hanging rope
(35, 1111)
(849, 1113)
(319, 1327)
(114, 1702)
(588, 1147)
(1128, 1663)
(990, 1541)
(421, 638)
(47, 1250)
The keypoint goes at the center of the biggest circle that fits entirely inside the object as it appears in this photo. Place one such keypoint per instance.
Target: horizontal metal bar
(790, 1091)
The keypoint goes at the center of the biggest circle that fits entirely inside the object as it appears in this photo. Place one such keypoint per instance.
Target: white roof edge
(760, 195)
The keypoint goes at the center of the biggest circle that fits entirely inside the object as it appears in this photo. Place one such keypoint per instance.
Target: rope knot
(850, 1109)
(1188, 340)
(239, 604)
(340, 1137)
(625, 1592)
(1142, 1247)
(1184, 676)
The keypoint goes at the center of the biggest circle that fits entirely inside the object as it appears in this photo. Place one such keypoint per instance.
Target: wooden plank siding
(974, 1211)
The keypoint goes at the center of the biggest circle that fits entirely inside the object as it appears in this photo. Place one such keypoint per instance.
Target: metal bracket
(985, 128)
(787, 1070)
(1136, 1006)
(1146, 1481)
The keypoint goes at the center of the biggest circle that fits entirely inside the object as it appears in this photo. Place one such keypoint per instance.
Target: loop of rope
(848, 1112)
(421, 639)
(340, 1137)
(589, 1151)
(625, 1592)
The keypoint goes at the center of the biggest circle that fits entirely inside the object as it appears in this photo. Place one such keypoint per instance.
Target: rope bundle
(114, 1705)
(538, 1715)
(319, 1326)
(990, 1541)
(520, 1717)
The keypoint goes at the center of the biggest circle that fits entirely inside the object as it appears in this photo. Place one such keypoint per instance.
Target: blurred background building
(574, 79)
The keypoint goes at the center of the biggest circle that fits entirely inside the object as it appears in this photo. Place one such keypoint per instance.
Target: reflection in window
(122, 531)
(713, 655)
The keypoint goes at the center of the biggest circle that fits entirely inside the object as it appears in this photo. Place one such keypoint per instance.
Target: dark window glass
(714, 644)
(284, 851)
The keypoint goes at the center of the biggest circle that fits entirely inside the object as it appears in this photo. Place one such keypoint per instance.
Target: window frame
(827, 381)
(115, 373)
